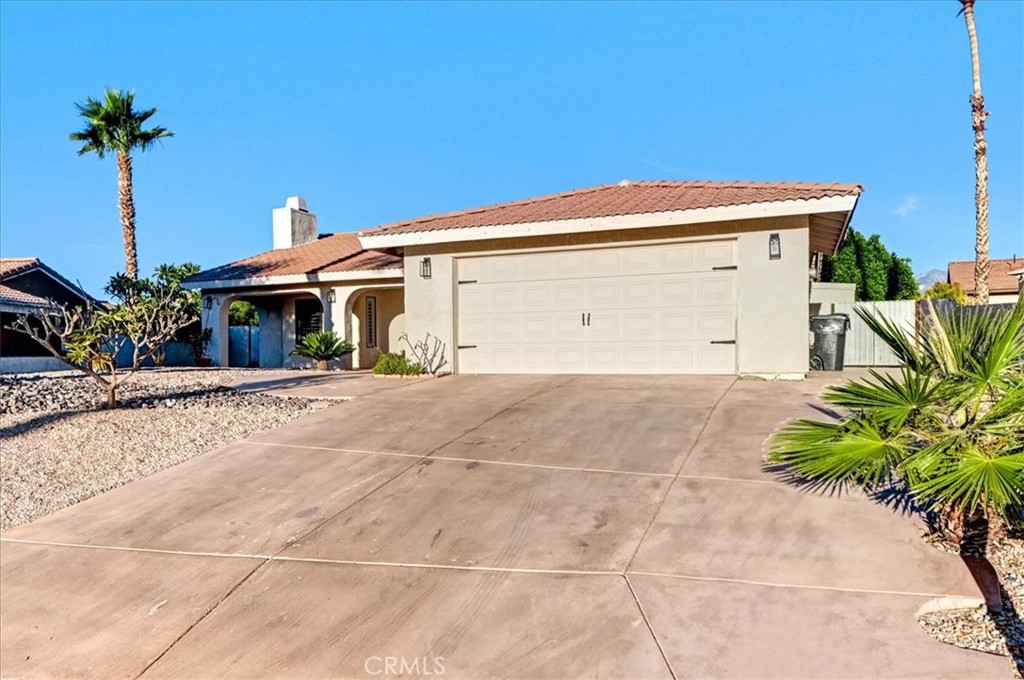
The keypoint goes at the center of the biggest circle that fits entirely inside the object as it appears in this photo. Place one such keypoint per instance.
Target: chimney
(293, 224)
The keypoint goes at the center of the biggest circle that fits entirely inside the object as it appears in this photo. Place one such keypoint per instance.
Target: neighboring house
(1003, 284)
(27, 286)
(635, 277)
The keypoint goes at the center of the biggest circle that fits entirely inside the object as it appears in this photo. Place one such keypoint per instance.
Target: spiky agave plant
(948, 426)
(323, 346)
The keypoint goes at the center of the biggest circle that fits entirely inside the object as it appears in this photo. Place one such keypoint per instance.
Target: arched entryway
(376, 323)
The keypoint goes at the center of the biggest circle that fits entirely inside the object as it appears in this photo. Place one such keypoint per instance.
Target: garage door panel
(602, 263)
(716, 254)
(567, 294)
(536, 296)
(649, 309)
(716, 324)
(604, 326)
(603, 294)
(505, 297)
(676, 292)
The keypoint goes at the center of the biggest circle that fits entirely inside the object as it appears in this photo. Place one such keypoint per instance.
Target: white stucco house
(635, 277)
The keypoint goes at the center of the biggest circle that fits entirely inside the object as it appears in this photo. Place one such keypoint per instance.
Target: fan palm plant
(321, 347)
(114, 126)
(948, 427)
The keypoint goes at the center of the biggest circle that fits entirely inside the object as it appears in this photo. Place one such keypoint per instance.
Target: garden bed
(58, 446)
(978, 629)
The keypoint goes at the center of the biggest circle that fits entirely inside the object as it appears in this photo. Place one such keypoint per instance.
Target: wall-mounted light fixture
(331, 297)
(208, 302)
(774, 247)
(425, 268)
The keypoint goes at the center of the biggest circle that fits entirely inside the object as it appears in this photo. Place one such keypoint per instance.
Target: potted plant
(198, 342)
(323, 346)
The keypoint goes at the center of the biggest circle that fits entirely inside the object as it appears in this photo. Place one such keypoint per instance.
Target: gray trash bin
(829, 341)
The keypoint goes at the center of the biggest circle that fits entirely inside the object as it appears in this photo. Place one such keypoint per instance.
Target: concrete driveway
(505, 527)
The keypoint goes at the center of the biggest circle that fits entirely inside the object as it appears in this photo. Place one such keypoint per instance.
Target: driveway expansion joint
(650, 628)
(482, 461)
(682, 463)
(202, 617)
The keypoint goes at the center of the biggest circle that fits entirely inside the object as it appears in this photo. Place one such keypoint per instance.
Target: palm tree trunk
(126, 204)
(974, 539)
(978, 116)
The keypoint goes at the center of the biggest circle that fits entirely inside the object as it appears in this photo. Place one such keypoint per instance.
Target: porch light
(208, 302)
(331, 297)
(774, 247)
(425, 268)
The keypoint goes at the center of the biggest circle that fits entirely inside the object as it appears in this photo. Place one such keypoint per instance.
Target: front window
(309, 317)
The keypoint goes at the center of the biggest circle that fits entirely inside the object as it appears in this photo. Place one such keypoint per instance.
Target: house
(27, 285)
(1003, 283)
(634, 277)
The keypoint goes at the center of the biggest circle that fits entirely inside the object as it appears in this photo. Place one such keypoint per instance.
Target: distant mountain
(930, 277)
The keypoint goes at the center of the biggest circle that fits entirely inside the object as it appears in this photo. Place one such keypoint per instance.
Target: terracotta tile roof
(331, 253)
(1000, 280)
(11, 296)
(624, 198)
(9, 266)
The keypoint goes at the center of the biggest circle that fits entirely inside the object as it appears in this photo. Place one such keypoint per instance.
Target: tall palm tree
(114, 126)
(978, 116)
(949, 427)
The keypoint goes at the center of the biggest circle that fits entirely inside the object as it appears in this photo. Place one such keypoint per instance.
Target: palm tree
(978, 116)
(948, 428)
(114, 126)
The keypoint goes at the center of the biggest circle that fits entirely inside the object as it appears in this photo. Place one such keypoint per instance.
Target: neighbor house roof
(13, 267)
(1000, 278)
(329, 254)
(18, 298)
(9, 266)
(624, 198)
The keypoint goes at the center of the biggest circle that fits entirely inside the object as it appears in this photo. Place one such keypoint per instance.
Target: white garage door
(667, 308)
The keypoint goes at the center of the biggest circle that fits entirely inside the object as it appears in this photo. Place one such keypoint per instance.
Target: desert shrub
(396, 363)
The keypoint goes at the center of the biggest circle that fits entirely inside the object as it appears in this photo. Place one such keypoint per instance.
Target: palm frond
(856, 451)
(889, 399)
(114, 126)
(979, 481)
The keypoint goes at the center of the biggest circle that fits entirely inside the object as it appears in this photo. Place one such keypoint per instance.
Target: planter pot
(322, 365)
(204, 362)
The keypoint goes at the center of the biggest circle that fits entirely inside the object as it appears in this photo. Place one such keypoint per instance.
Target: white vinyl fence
(863, 347)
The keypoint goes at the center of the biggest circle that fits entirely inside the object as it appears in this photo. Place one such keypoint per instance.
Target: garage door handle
(588, 318)
(723, 342)
(723, 268)
(467, 346)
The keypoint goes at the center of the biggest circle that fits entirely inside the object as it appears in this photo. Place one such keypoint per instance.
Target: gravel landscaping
(58, 446)
(981, 630)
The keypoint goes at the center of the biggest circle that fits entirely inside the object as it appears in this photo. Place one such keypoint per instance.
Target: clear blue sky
(381, 112)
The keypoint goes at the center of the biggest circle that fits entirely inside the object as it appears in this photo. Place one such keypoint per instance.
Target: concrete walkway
(513, 527)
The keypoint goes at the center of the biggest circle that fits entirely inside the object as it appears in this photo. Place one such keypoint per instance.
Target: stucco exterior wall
(31, 364)
(1003, 299)
(773, 294)
(825, 295)
(771, 337)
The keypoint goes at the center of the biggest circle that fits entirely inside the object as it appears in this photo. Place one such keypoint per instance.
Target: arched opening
(375, 322)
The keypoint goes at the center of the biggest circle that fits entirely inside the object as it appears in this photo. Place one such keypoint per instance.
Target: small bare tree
(428, 353)
(90, 338)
